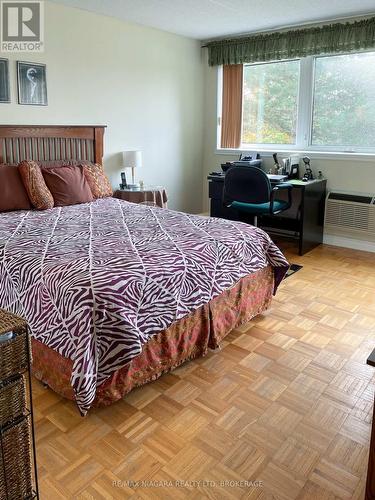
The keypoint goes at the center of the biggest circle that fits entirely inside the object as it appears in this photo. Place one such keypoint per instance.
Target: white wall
(145, 85)
(343, 175)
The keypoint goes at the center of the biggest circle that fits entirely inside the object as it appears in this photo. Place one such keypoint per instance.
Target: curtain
(327, 39)
(231, 121)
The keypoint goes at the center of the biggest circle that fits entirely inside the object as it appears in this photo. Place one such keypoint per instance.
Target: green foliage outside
(344, 102)
(270, 103)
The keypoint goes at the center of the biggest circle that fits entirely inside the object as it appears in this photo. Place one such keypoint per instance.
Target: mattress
(97, 281)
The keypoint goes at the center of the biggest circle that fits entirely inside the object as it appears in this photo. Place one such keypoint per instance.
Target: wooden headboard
(51, 142)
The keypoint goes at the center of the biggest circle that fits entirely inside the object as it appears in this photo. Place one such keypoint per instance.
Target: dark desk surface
(295, 182)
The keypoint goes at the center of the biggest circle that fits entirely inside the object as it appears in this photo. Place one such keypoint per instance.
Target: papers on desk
(277, 178)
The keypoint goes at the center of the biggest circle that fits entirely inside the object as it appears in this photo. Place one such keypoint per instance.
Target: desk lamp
(133, 160)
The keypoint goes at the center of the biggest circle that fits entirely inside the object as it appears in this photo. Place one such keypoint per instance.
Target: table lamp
(133, 160)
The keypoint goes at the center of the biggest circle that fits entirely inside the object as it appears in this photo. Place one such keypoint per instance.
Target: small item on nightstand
(320, 175)
(141, 184)
(123, 184)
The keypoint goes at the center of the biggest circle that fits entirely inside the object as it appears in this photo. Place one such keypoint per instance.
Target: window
(344, 101)
(323, 103)
(270, 99)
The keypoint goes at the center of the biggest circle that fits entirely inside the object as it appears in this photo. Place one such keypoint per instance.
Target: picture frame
(4, 81)
(32, 83)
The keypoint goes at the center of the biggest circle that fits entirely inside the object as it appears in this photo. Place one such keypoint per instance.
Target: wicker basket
(13, 352)
(12, 399)
(15, 462)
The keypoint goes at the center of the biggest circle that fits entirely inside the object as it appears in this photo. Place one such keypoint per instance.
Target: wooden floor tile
(255, 362)
(189, 465)
(246, 460)
(348, 453)
(280, 483)
(330, 476)
(279, 417)
(296, 457)
(268, 388)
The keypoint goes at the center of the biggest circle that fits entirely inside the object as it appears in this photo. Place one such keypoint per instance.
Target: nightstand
(153, 195)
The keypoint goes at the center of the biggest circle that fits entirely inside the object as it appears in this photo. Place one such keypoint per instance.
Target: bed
(117, 294)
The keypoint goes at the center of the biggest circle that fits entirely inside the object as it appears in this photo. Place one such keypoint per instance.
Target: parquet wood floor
(283, 411)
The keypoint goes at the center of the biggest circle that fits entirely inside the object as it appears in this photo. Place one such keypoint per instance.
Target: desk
(303, 220)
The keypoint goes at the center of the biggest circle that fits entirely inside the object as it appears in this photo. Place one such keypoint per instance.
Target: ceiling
(206, 19)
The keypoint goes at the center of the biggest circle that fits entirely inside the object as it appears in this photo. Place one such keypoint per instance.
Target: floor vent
(351, 216)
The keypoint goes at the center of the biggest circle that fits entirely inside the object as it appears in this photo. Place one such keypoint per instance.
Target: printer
(245, 160)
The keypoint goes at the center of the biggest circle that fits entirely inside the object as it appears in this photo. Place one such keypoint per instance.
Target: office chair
(248, 190)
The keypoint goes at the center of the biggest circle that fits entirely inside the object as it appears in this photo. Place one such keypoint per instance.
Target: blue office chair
(248, 190)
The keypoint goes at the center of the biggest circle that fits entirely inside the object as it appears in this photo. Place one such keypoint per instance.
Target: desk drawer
(215, 190)
(294, 212)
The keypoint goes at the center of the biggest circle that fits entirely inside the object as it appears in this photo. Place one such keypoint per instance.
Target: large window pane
(270, 103)
(344, 101)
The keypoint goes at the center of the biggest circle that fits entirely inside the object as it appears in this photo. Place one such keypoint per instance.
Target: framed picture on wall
(4, 81)
(32, 83)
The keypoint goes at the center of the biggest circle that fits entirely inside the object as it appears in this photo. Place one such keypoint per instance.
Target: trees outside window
(324, 103)
(344, 101)
(270, 99)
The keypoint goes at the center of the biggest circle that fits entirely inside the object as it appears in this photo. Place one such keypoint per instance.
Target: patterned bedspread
(96, 281)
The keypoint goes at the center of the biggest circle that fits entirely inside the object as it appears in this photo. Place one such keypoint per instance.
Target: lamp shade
(132, 159)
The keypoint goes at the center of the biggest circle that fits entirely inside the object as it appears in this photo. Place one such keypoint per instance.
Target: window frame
(304, 124)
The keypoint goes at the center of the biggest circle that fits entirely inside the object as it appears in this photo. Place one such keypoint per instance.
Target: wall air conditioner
(350, 216)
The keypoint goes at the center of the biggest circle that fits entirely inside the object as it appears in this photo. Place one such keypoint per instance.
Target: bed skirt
(186, 339)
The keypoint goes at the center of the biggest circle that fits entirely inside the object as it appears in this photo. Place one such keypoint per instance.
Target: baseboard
(341, 241)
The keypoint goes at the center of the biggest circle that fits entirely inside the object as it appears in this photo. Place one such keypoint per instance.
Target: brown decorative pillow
(68, 185)
(13, 195)
(39, 194)
(97, 180)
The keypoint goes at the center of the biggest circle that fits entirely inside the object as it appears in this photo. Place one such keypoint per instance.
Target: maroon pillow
(68, 185)
(13, 195)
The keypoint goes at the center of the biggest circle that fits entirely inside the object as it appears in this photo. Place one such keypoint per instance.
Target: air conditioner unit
(350, 216)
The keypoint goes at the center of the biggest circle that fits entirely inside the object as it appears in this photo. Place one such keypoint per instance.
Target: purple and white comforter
(96, 281)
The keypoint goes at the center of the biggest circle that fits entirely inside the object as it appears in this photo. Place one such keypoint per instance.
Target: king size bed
(117, 294)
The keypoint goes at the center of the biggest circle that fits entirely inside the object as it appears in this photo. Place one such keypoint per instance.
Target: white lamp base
(136, 185)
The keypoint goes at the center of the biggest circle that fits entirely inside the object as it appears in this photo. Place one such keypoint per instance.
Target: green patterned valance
(327, 39)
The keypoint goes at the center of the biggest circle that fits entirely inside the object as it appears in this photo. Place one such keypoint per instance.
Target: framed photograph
(4, 81)
(32, 83)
